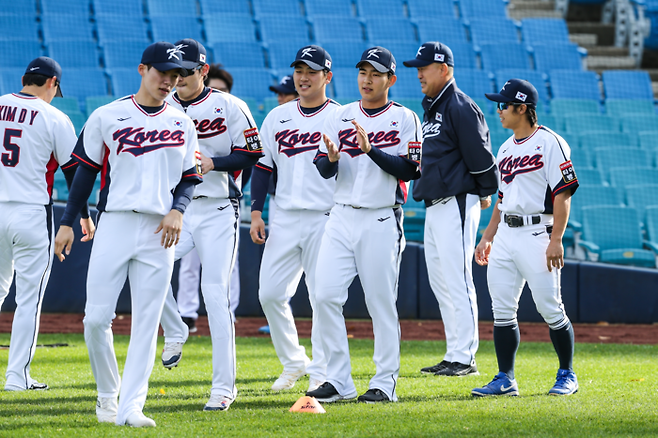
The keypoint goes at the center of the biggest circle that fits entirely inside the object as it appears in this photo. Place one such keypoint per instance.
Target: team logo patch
(178, 124)
(218, 110)
(394, 124)
(439, 57)
(522, 97)
(568, 173)
(327, 63)
(439, 117)
(202, 57)
(413, 151)
(393, 67)
(252, 138)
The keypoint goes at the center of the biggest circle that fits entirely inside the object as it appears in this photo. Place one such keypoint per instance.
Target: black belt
(515, 221)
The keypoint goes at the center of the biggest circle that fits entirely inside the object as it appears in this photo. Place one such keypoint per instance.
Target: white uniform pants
(367, 242)
(519, 254)
(292, 248)
(125, 246)
(450, 233)
(26, 234)
(210, 225)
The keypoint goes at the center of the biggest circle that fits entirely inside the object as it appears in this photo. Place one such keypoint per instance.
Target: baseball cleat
(459, 370)
(106, 409)
(264, 330)
(566, 383)
(35, 386)
(287, 380)
(374, 395)
(327, 393)
(314, 384)
(190, 323)
(435, 368)
(218, 403)
(172, 353)
(137, 419)
(500, 385)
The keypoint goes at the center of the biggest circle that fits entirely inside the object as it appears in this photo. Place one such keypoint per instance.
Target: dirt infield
(411, 329)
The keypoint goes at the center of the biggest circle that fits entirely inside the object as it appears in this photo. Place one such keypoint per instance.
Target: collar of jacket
(448, 90)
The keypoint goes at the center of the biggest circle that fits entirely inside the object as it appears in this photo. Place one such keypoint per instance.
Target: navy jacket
(456, 157)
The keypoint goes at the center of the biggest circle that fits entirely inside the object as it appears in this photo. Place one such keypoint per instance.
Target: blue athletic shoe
(500, 385)
(264, 330)
(566, 383)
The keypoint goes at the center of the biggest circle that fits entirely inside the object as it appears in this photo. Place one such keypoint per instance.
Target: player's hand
(362, 137)
(332, 150)
(88, 229)
(63, 241)
(554, 255)
(485, 203)
(482, 252)
(257, 230)
(171, 226)
(206, 164)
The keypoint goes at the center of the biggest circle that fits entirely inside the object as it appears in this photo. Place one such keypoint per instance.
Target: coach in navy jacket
(458, 175)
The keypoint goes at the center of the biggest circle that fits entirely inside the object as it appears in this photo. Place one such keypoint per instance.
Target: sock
(563, 342)
(506, 341)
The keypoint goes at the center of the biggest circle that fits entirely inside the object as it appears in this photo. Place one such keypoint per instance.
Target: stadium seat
(500, 56)
(254, 83)
(485, 30)
(432, 10)
(611, 160)
(282, 53)
(651, 226)
(224, 7)
(380, 29)
(10, 78)
(116, 27)
(124, 81)
(78, 119)
(269, 103)
(414, 104)
(633, 175)
(18, 27)
(343, 8)
(633, 123)
(482, 8)
(549, 121)
(324, 28)
(221, 28)
(588, 176)
(25, 8)
(173, 27)
(451, 30)
(593, 140)
(66, 104)
(498, 137)
(473, 82)
(401, 50)
(76, 7)
(369, 8)
(289, 8)
(578, 122)
(407, 84)
(562, 106)
(624, 246)
(293, 29)
(582, 158)
(570, 84)
(345, 83)
(123, 54)
(83, 82)
(544, 30)
(344, 54)
(564, 55)
(641, 196)
(239, 54)
(74, 53)
(126, 8)
(620, 107)
(58, 27)
(19, 53)
(623, 84)
(590, 194)
(93, 102)
(171, 7)
(648, 140)
(534, 77)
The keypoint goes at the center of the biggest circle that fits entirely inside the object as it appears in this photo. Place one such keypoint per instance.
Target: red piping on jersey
(144, 112)
(390, 104)
(178, 101)
(263, 167)
(299, 108)
(24, 97)
(527, 138)
(561, 189)
(90, 163)
(73, 163)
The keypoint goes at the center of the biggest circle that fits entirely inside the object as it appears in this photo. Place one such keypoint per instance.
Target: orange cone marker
(308, 404)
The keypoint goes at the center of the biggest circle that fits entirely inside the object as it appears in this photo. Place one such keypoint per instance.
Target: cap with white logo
(286, 86)
(46, 67)
(516, 91)
(430, 52)
(164, 56)
(314, 56)
(380, 58)
(194, 54)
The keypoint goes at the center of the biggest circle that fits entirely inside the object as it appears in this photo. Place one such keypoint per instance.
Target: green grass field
(618, 395)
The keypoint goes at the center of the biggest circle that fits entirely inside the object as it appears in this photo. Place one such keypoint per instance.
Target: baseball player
(228, 143)
(146, 153)
(459, 175)
(537, 181)
(292, 133)
(37, 138)
(372, 147)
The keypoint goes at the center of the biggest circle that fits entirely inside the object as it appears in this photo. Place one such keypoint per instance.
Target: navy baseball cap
(164, 56)
(46, 67)
(380, 58)
(286, 86)
(516, 91)
(430, 52)
(314, 56)
(194, 54)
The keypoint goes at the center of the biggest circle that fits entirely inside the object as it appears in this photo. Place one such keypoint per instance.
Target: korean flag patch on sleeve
(568, 174)
(413, 151)
(252, 139)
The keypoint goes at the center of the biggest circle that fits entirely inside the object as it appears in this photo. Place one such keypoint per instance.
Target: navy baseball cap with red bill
(286, 86)
(516, 91)
(194, 54)
(380, 58)
(46, 67)
(430, 52)
(164, 56)
(314, 56)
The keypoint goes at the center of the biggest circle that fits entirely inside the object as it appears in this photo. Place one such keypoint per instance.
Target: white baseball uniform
(36, 139)
(211, 224)
(142, 157)
(364, 236)
(532, 172)
(303, 199)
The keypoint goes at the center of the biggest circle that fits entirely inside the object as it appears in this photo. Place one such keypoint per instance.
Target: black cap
(286, 86)
(194, 54)
(164, 56)
(46, 67)
(380, 58)
(314, 56)
(516, 91)
(430, 52)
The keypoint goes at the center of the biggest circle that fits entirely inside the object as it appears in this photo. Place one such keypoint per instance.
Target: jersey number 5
(10, 159)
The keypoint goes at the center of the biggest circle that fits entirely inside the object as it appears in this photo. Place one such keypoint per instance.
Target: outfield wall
(592, 292)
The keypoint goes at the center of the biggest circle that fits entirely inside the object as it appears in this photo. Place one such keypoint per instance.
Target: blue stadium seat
(18, 27)
(250, 82)
(78, 119)
(344, 8)
(589, 194)
(345, 83)
(624, 246)
(124, 81)
(10, 78)
(407, 84)
(290, 8)
(120, 27)
(432, 9)
(544, 30)
(369, 8)
(632, 175)
(564, 55)
(224, 7)
(173, 27)
(648, 140)
(414, 104)
(221, 28)
(534, 77)
(285, 28)
(497, 56)
(498, 137)
(76, 7)
(651, 225)
(570, 84)
(19, 53)
(624, 84)
(379, 29)
(463, 53)
(549, 121)
(593, 140)
(74, 54)
(171, 7)
(482, 8)
(620, 107)
(401, 50)
(485, 30)
(282, 53)
(561, 106)
(123, 54)
(324, 28)
(641, 196)
(633, 123)
(59, 27)
(240, 55)
(66, 104)
(588, 176)
(345, 54)
(93, 102)
(473, 82)
(83, 82)
(269, 103)
(582, 158)
(450, 31)
(126, 8)
(25, 8)
(579, 122)
(615, 164)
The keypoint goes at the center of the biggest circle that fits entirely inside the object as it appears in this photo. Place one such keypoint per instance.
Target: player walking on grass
(228, 143)
(146, 153)
(537, 181)
(37, 139)
(372, 148)
(292, 133)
